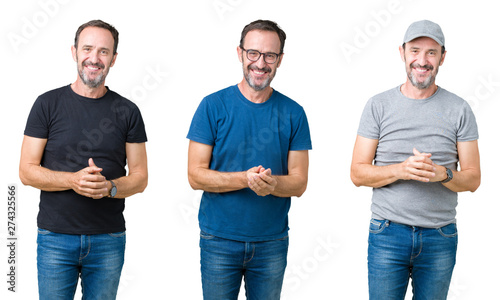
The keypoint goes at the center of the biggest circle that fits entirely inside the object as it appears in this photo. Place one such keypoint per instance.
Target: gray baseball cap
(424, 28)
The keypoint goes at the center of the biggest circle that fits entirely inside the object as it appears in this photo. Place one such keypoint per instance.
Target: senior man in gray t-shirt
(410, 141)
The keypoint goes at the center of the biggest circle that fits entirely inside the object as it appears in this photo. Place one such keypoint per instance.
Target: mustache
(415, 65)
(265, 69)
(88, 63)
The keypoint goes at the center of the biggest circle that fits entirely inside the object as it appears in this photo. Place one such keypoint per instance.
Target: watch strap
(112, 192)
(449, 175)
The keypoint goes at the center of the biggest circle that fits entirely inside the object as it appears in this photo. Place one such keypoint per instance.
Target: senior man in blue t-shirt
(410, 141)
(248, 152)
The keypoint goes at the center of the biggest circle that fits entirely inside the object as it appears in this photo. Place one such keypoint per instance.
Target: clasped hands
(261, 181)
(89, 182)
(420, 167)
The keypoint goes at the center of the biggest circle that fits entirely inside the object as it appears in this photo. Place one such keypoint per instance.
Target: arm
(469, 176)
(363, 173)
(87, 182)
(293, 184)
(137, 177)
(201, 177)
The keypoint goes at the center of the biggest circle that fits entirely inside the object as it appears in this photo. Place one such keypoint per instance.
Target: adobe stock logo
(297, 274)
(484, 90)
(223, 6)
(154, 78)
(363, 35)
(31, 26)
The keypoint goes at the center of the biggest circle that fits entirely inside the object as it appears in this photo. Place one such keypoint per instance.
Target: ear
(278, 63)
(240, 53)
(402, 53)
(73, 52)
(114, 59)
(442, 58)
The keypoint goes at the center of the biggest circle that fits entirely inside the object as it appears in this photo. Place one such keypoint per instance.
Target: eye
(271, 55)
(253, 53)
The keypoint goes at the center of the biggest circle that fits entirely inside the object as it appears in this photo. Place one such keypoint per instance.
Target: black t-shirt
(78, 128)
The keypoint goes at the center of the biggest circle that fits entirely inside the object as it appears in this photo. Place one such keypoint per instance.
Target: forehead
(423, 43)
(264, 41)
(95, 36)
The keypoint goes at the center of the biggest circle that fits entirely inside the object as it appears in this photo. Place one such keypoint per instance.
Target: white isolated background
(173, 53)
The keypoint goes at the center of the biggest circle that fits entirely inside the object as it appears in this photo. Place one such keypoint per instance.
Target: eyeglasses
(254, 55)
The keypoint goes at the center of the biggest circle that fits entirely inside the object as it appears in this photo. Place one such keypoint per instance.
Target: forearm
(44, 179)
(464, 181)
(129, 185)
(215, 181)
(290, 186)
(373, 176)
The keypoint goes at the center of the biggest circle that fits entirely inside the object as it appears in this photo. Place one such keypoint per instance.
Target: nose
(93, 56)
(422, 58)
(261, 63)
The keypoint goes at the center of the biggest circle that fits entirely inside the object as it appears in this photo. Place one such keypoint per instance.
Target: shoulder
(221, 95)
(54, 94)
(118, 100)
(220, 100)
(286, 101)
(450, 97)
(51, 100)
(386, 96)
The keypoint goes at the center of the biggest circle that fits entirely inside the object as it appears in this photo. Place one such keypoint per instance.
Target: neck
(83, 90)
(253, 95)
(410, 91)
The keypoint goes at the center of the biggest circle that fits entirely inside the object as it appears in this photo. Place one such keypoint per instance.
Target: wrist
(112, 189)
(448, 176)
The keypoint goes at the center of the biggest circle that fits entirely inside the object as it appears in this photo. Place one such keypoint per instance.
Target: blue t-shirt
(245, 135)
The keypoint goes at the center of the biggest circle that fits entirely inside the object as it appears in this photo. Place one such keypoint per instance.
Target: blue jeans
(62, 258)
(399, 252)
(224, 263)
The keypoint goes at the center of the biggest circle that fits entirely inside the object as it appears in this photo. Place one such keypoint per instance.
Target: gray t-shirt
(433, 125)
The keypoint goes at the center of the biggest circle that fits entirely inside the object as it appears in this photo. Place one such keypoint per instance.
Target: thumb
(91, 163)
(417, 153)
(267, 172)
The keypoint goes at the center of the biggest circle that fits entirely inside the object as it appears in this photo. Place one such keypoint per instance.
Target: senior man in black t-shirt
(77, 141)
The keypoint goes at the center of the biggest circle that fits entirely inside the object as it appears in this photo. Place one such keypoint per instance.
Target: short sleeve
(38, 120)
(301, 137)
(203, 125)
(467, 127)
(137, 130)
(369, 124)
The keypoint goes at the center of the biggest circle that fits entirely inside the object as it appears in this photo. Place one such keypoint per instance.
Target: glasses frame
(260, 54)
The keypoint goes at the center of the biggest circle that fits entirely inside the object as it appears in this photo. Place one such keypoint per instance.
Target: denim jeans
(399, 252)
(224, 263)
(62, 258)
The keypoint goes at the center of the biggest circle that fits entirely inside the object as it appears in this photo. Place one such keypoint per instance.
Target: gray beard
(252, 84)
(92, 83)
(421, 85)
(257, 88)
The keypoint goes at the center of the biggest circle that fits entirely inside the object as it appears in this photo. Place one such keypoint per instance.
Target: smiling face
(422, 57)
(259, 74)
(94, 56)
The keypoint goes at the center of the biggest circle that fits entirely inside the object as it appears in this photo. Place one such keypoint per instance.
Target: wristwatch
(449, 173)
(113, 191)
